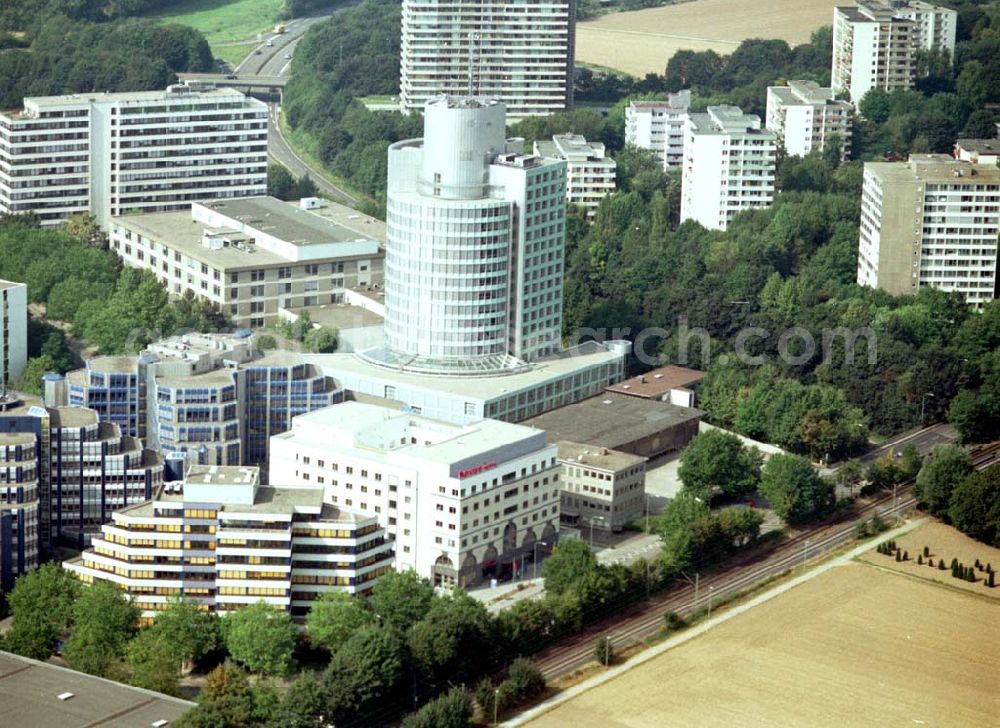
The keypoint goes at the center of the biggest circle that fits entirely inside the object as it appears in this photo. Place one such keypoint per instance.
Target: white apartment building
(520, 52)
(112, 154)
(475, 233)
(659, 126)
(729, 164)
(461, 502)
(222, 540)
(13, 332)
(601, 488)
(931, 221)
(805, 117)
(590, 174)
(874, 43)
(252, 257)
(978, 151)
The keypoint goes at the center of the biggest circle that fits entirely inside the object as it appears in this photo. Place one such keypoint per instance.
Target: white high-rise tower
(474, 246)
(519, 51)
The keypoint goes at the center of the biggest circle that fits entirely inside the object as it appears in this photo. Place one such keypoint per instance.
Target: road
(645, 619)
(275, 60)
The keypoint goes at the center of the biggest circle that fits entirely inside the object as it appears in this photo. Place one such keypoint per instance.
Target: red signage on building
(478, 469)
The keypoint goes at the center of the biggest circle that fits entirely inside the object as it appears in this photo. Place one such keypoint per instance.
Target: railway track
(645, 619)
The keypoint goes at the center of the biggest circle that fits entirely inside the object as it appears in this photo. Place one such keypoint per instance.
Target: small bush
(930, 563)
(860, 530)
(920, 560)
(877, 524)
(906, 556)
(927, 551)
(941, 566)
(899, 556)
(673, 621)
(989, 580)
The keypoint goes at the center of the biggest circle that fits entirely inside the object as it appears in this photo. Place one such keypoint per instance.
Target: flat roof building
(461, 502)
(659, 126)
(638, 426)
(601, 488)
(211, 399)
(519, 51)
(113, 154)
(590, 174)
(13, 331)
(671, 384)
(223, 541)
(42, 694)
(251, 257)
(807, 118)
(729, 166)
(978, 151)
(930, 221)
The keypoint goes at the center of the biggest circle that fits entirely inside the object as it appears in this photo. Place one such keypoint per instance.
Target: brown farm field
(642, 41)
(945, 543)
(852, 648)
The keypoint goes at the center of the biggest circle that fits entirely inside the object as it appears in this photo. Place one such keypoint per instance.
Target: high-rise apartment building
(659, 126)
(931, 221)
(590, 173)
(112, 154)
(222, 540)
(13, 331)
(200, 398)
(475, 235)
(806, 118)
(729, 164)
(63, 474)
(461, 502)
(520, 52)
(251, 257)
(875, 43)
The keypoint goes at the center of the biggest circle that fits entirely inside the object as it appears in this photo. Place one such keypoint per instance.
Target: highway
(645, 619)
(275, 61)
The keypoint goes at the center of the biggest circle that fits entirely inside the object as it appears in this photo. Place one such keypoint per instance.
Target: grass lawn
(221, 21)
(233, 53)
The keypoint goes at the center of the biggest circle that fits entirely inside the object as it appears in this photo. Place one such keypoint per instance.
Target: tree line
(948, 487)
(79, 282)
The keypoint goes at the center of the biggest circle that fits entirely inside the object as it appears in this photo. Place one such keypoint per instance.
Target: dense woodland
(76, 47)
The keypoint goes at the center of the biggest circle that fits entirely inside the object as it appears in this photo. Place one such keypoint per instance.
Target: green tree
(945, 467)
(103, 623)
(571, 560)
(455, 638)
(976, 416)
(740, 525)
(975, 505)
(152, 663)
(302, 704)
(401, 599)
(717, 459)
(334, 617)
(451, 710)
(190, 632)
(260, 637)
(36, 367)
(366, 668)
(41, 606)
(675, 527)
(794, 489)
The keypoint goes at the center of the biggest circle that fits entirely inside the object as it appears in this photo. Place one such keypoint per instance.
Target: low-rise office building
(673, 384)
(590, 174)
(807, 118)
(601, 488)
(209, 399)
(632, 425)
(222, 540)
(254, 256)
(659, 126)
(930, 221)
(13, 331)
(461, 502)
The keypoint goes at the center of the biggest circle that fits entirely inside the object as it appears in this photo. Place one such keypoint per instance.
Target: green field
(224, 21)
(233, 53)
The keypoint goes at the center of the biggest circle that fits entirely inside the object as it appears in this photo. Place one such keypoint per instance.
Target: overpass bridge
(267, 87)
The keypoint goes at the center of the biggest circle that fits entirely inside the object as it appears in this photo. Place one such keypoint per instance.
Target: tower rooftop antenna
(475, 58)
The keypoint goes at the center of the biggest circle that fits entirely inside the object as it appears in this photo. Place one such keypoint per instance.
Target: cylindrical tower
(461, 137)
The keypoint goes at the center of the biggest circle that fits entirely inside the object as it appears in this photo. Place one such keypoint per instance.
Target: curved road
(275, 60)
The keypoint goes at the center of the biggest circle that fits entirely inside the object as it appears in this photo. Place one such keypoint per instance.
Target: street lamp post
(647, 514)
(534, 566)
(805, 551)
(496, 704)
(710, 590)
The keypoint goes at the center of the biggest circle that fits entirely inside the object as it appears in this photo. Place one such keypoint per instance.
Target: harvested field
(854, 647)
(642, 41)
(945, 543)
